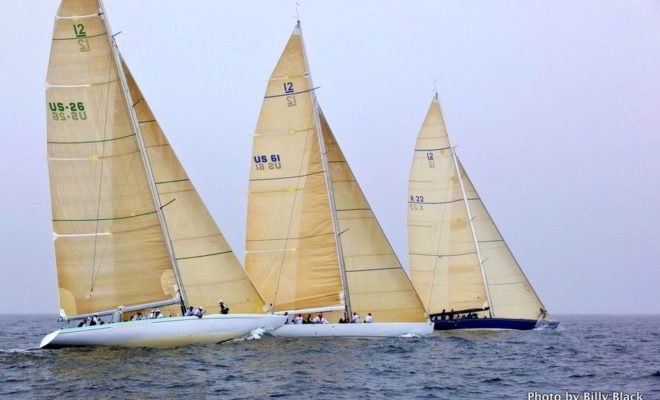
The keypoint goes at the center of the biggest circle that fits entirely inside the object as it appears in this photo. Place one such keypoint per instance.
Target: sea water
(594, 355)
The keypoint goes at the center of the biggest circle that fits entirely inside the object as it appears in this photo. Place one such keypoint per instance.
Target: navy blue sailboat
(460, 264)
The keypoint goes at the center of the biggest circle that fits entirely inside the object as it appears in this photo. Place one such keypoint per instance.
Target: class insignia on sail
(460, 264)
(129, 227)
(313, 243)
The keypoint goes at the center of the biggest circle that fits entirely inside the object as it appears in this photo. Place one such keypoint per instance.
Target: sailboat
(460, 264)
(130, 229)
(313, 244)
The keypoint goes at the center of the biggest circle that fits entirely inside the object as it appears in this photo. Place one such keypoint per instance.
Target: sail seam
(172, 181)
(439, 202)
(290, 238)
(442, 148)
(77, 16)
(104, 219)
(443, 255)
(204, 255)
(508, 283)
(371, 269)
(287, 177)
(291, 94)
(84, 37)
(94, 141)
(147, 121)
(293, 132)
(353, 209)
(78, 85)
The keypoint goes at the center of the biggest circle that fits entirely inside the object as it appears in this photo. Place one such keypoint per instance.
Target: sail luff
(328, 180)
(145, 157)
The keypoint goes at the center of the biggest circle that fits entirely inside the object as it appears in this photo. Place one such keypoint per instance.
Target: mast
(145, 159)
(328, 182)
(469, 215)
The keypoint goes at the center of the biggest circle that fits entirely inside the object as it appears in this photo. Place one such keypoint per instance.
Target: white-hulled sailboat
(459, 263)
(129, 227)
(313, 244)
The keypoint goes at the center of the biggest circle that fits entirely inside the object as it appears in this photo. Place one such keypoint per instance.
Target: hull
(493, 323)
(163, 332)
(385, 329)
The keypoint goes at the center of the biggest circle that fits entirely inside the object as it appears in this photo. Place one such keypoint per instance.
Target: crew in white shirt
(356, 318)
(368, 319)
(298, 320)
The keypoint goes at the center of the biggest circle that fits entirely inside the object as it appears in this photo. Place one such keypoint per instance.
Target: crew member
(223, 307)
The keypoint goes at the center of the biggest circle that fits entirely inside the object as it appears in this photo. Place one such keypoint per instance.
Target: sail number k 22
(68, 111)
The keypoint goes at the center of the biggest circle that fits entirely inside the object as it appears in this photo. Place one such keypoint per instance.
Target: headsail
(446, 248)
(209, 268)
(511, 294)
(292, 248)
(109, 244)
(377, 281)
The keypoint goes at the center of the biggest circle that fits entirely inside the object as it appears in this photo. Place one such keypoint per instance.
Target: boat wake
(255, 334)
(409, 335)
(547, 326)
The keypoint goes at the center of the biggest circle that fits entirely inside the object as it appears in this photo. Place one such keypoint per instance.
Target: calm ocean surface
(586, 353)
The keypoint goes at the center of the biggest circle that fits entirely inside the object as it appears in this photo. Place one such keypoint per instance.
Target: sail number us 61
(271, 162)
(67, 111)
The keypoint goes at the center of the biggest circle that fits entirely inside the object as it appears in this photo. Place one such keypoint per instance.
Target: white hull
(384, 329)
(163, 332)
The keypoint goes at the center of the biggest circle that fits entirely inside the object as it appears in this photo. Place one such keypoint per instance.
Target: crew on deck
(118, 316)
(223, 307)
(356, 318)
(199, 312)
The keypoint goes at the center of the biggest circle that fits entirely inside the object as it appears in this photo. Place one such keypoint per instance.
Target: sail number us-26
(74, 111)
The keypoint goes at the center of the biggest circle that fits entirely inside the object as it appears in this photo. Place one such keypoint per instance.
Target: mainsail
(112, 176)
(458, 259)
(312, 240)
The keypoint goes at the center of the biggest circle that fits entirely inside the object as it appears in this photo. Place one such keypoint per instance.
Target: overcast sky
(554, 107)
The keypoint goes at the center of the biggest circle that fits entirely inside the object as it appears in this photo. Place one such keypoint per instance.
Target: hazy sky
(554, 107)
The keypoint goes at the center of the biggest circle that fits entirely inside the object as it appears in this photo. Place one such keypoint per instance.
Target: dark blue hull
(491, 323)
